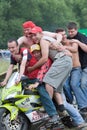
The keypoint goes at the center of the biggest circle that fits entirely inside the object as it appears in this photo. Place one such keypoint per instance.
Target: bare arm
(57, 36)
(81, 44)
(73, 48)
(23, 65)
(9, 72)
(45, 53)
(50, 34)
(22, 69)
(20, 40)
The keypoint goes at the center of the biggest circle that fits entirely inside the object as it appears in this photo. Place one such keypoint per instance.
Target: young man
(25, 59)
(59, 73)
(81, 40)
(25, 40)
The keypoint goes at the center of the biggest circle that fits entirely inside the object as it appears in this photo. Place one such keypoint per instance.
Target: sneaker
(83, 112)
(54, 119)
(63, 114)
(67, 121)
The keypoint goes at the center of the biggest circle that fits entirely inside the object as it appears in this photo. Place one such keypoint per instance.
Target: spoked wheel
(20, 123)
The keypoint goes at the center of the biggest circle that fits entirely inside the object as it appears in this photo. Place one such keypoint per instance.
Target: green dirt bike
(21, 111)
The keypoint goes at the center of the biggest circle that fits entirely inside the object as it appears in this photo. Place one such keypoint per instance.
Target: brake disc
(11, 125)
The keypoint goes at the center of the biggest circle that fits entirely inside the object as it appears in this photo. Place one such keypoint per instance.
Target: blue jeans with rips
(45, 99)
(73, 112)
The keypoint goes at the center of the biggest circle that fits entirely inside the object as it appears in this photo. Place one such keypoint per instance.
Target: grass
(3, 65)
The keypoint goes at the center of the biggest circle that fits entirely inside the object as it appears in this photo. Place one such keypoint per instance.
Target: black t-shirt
(13, 61)
(25, 55)
(82, 54)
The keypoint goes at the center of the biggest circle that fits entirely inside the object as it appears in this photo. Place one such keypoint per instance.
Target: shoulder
(21, 40)
(82, 37)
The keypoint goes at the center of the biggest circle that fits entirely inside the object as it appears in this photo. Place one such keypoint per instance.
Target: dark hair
(59, 30)
(11, 40)
(72, 25)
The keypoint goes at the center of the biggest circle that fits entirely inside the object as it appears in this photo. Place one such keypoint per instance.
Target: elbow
(45, 59)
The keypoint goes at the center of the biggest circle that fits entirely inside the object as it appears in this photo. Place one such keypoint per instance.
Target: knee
(42, 91)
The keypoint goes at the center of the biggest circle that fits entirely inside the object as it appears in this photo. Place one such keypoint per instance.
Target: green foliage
(49, 14)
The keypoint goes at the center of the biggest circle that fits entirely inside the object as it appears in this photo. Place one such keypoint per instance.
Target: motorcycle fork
(12, 109)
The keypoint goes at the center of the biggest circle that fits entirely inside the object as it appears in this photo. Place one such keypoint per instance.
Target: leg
(58, 98)
(48, 104)
(60, 106)
(49, 90)
(46, 101)
(84, 81)
(73, 112)
(81, 98)
(68, 91)
(58, 72)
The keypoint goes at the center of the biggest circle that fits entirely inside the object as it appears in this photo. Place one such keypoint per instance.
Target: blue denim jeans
(45, 99)
(73, 112)
(75, 85)
(68, 91)
(84, 81)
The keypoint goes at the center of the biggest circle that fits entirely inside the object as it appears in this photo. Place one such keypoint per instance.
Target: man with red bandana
(26, 40)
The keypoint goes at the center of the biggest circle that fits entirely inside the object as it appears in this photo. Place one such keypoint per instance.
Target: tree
(49, 14)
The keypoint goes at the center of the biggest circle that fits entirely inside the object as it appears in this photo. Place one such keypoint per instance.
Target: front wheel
(20, 123)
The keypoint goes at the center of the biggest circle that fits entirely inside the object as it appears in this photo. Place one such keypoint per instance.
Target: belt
(60, 54)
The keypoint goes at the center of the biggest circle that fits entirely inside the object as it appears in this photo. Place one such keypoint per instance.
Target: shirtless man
(57, 76)
(25, 40)
(75, 75)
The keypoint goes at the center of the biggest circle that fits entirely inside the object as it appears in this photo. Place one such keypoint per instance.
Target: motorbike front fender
(12, 109)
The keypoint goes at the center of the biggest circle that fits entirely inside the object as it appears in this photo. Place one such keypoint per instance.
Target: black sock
(61, 108)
